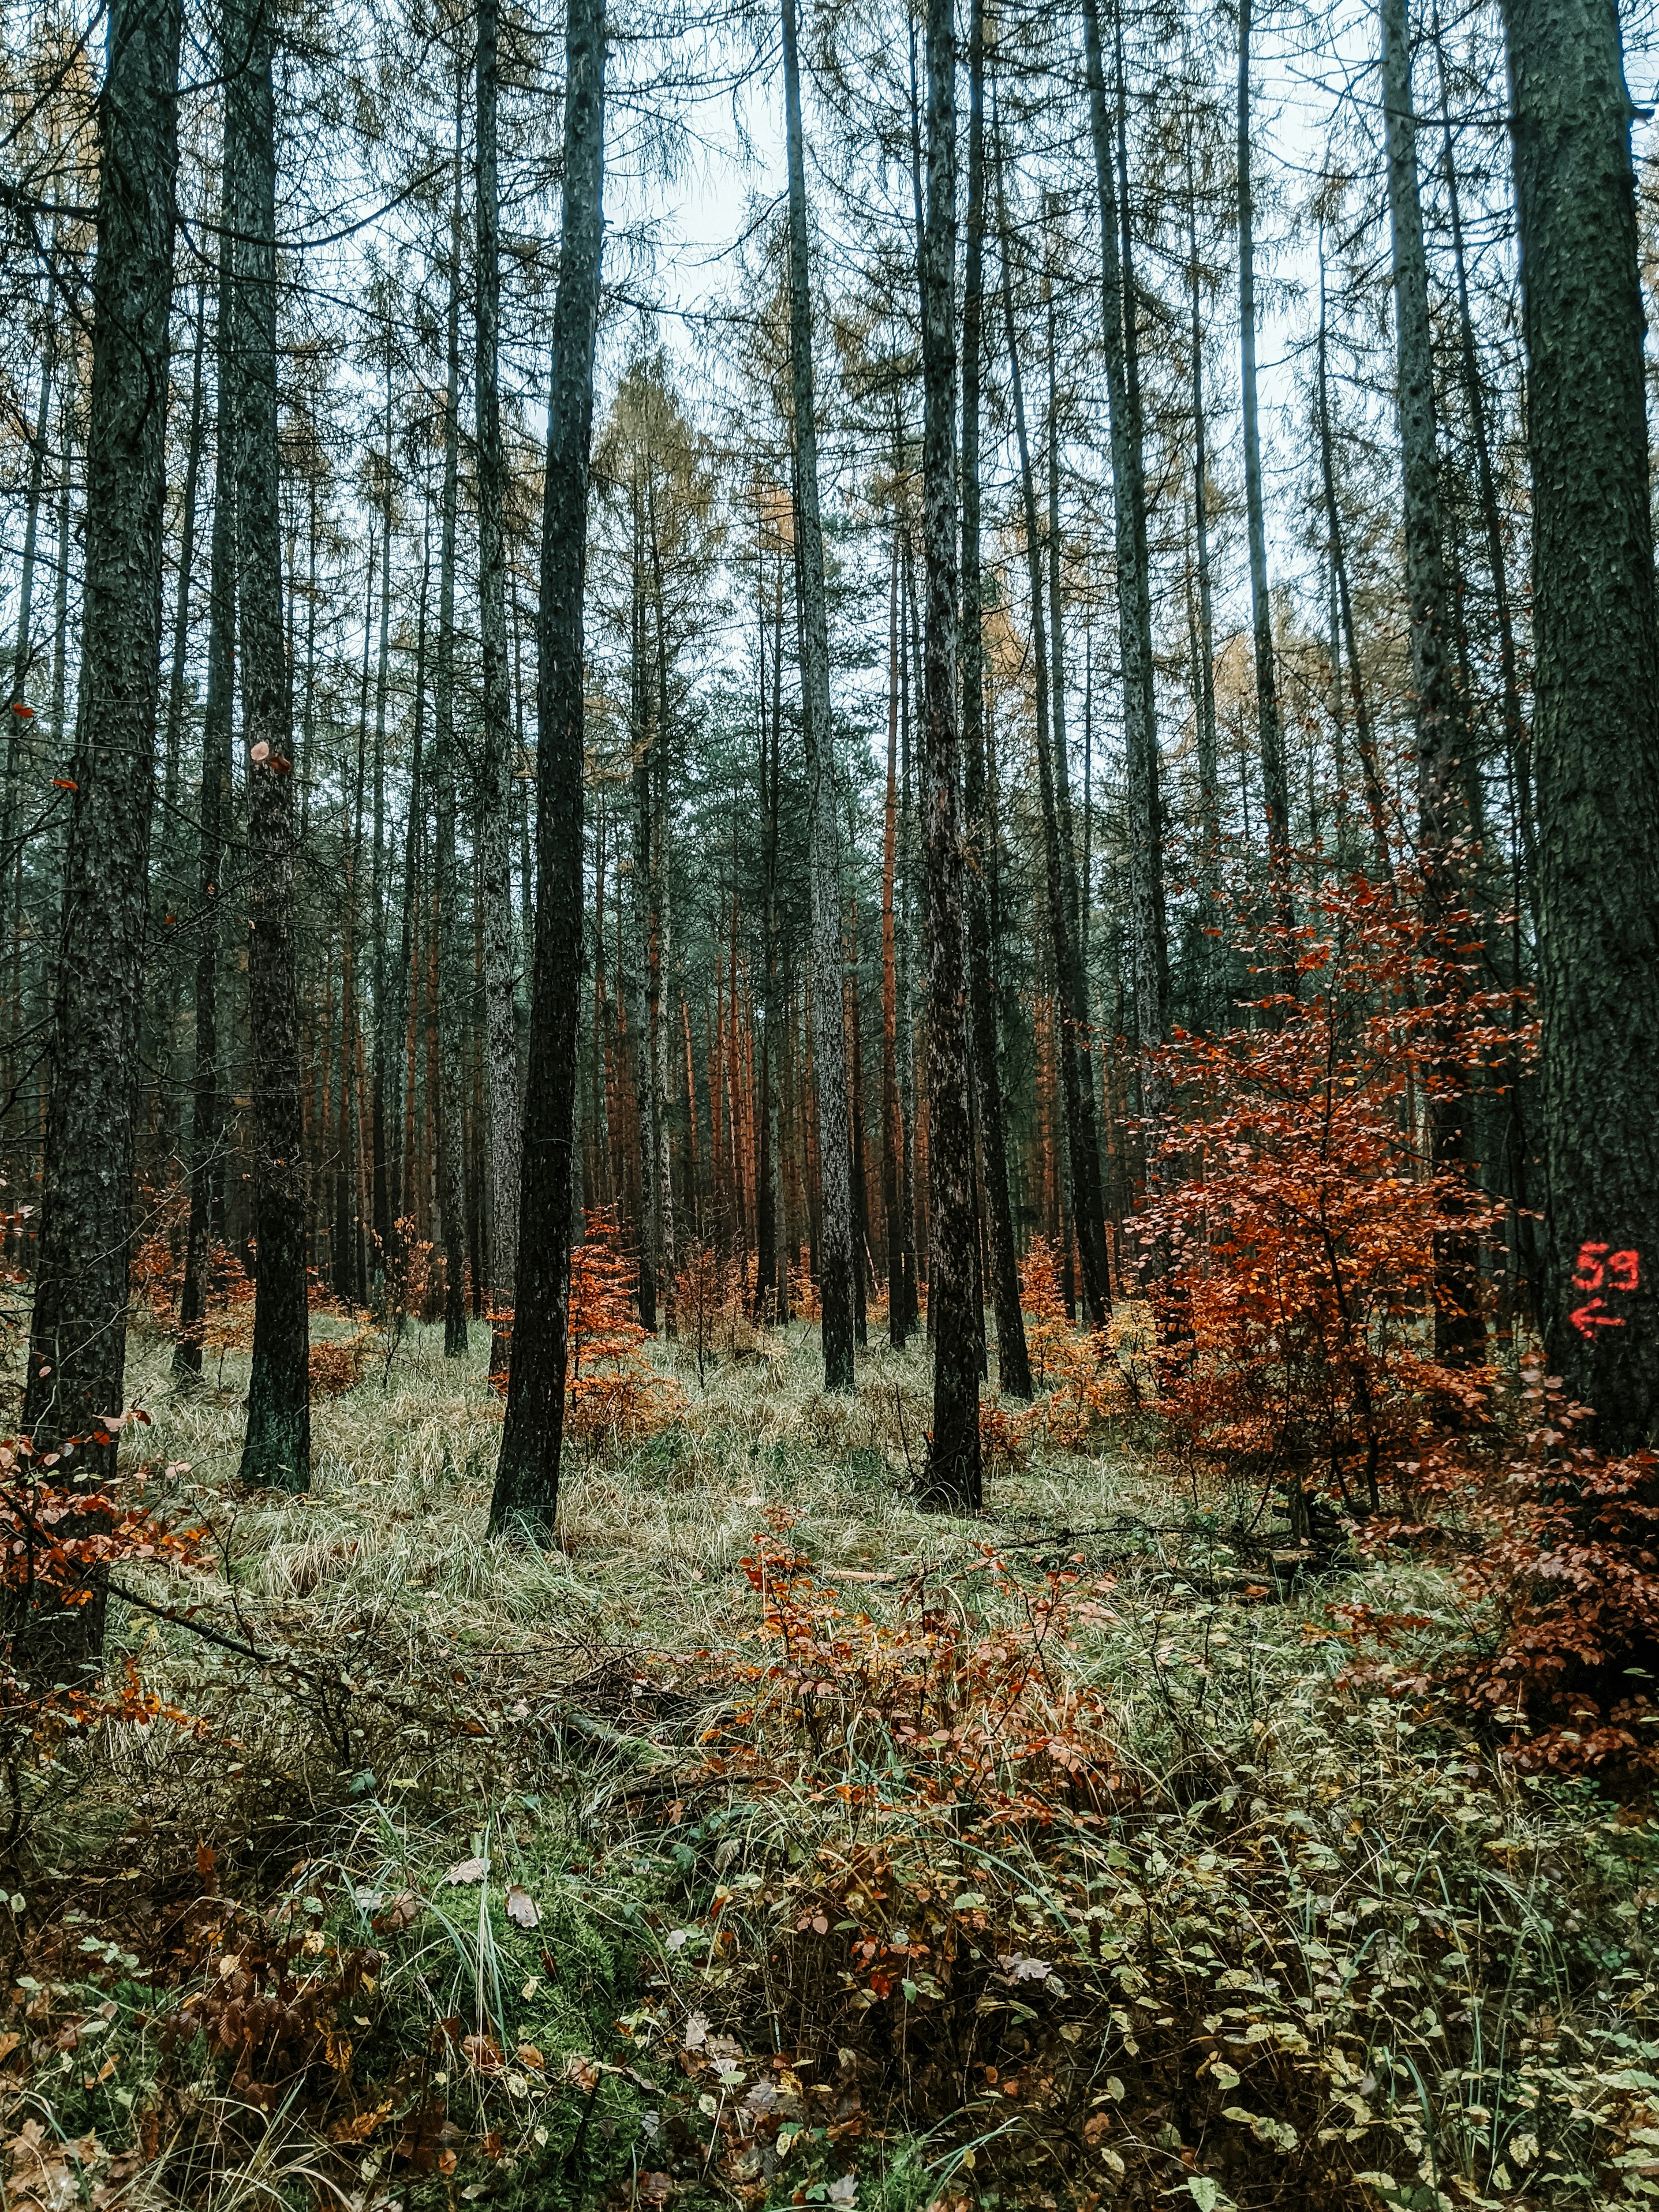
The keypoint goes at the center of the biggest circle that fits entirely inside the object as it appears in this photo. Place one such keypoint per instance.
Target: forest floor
(771, 1842)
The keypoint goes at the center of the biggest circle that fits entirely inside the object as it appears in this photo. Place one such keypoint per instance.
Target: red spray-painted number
(1599, 1265)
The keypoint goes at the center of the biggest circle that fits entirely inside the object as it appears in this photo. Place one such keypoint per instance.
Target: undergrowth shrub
(1076, 1375)
(923, 1851)
(1556, 1551)
(377, 2033)
(62, 1535)
(804, 1304)
(336, 1365)
(1297, 1231)
(612, 1394)
(1085, 1379)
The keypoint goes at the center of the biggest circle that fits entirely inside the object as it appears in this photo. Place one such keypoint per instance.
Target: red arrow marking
(1586, 1318)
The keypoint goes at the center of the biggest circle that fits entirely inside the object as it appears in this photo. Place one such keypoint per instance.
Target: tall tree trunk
(60, 591)
(346, 1242)
(175, 694)
(1596, 679)
(1517, 735)
(1269, 735)
(453, 987)
(17, 721)
(303, 754)
(1076, 1078)
(1149, 951)
(1442, 735)
(1013, 1361)
(661, 1046)
(407, 1203)
(602, 1174)
(828, 1040)
(768, 1224)
(383, 1056)
(952, 1478)
(207, 1090)
(723, 1230)
(852, 1024)
(77, 1338)
(495, 870)
(644, 882)
(909, 1099)
(277, 1446)
(893, 1142)
(1214, 992)
(24, 655)
(1370, 776)
(526, 1496)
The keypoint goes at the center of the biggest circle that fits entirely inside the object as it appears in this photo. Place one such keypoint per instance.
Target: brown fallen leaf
(364, 2125)
(522, 1907)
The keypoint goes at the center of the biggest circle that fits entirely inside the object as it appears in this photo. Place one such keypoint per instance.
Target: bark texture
(77, 1344)
(277, 1446)
(952, 1478)
(1442, 735)
(452, 964)
(503, 1138)
(1083, 1149)
(1596, 677)
(1270, 733)
(828, 1037)
(1149, 953)
(1013, 1359)
(207, 1107)
(526, 1498)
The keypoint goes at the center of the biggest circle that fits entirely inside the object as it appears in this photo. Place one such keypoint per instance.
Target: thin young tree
(172, 743)
(829, 1053)
(1013, 1359)
(454, 965)
(1270, 733)
(1443, 732)
(23, 657)
(207, 1092)
(276, 1443)
(1596, 679)
(953, 1477)
(1149, 951)
(893, 1140)
(1083, 1151)
(1375, 802)
(494, 850)
(525, 1503)
(1201, 609)
(78, 1341)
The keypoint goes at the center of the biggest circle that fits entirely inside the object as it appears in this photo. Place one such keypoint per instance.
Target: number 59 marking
(1599, 1265)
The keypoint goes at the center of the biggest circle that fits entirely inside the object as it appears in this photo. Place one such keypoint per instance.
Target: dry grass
(1316, 1951)
(402, 1469)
